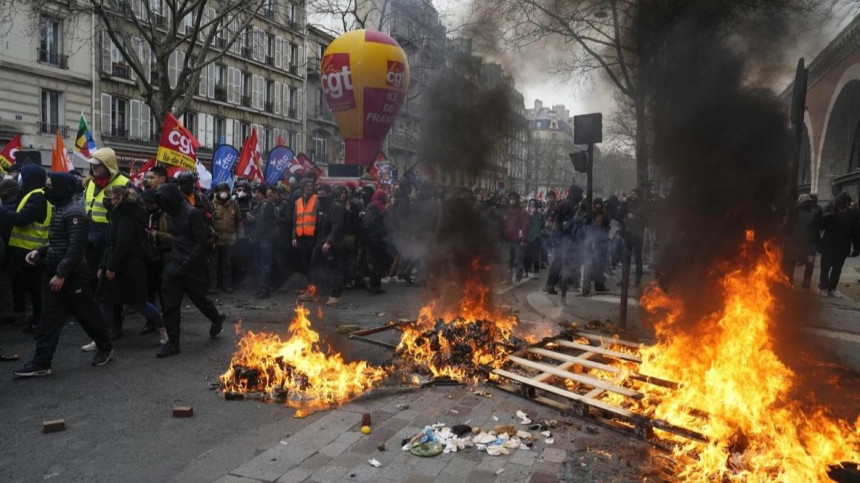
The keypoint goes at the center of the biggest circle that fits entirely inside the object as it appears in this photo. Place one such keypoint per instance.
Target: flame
(296, 369)
(735, 390)
(477, 328)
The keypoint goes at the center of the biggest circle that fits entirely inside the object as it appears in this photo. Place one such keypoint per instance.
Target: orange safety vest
(306, 216)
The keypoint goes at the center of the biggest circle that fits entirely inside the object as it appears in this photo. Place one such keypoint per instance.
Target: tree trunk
(642, 161)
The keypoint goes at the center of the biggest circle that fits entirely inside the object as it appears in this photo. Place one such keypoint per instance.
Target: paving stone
(429, 466)
(492, 463)
(417, 478)
(408, 414)
(396, 472)
(334, 449)
(350, 437)
(459, 466)
(330, 473)
(316, 462)
(523, 457)
(363, 472)
(554, 455)
(379, 417)
(547, 467)
(370, 443)
(541, 477)
(296, 474)
(514, 474)
(235, 479)
(477, 476)
(394, 424)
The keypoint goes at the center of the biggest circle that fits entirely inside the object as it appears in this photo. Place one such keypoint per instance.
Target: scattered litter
(380, 314)
(545, 434)
(500, 471)
(284, 442)
(476, 430)
(549, 441)
(183, 411)
(496, 450)
(484, 438)
(373, 462)
(495, 418)
(461, 429)
(365, 429)
(402, 406)
(480, 392)
(214, 385)
(437, 425)
(591, 430)
(365, 419)
(381, 447)
(524, 419)
(505, 429)
(54, 425)
(346, 329)
(525, 435)
(455, 411)
(50, 475)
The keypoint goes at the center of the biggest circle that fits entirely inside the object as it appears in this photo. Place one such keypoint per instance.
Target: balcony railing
(293, 25)
(158, 20)
(270, 60)
(51, 128)
(221, 93)
(313, 66)
(121, 70)
(118, 132)
(269, 13)
(220, 42)
(269, 107)
(294, 69)
(293, 113)
(247, 53)
(246, 101)
(323, 114)
(53, 58)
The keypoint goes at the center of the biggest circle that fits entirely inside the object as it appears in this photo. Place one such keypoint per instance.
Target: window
(270, 96)
(190, 122)
(294, 95)
(156, 7)
(219, 78)
(319, 149)
(50, 49)
(119, 120)
(246, 89)
(246, 130)
(220, 132)
(321, 52)
(270, 49)
(268, 135)
(291, 12)
(52, 112)
(294, 57)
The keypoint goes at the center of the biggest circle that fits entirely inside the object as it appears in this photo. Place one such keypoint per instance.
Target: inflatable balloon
(365, 76)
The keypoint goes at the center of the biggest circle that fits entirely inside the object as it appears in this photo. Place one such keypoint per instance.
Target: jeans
(147, 310)
(222, 266)
(263, 262)
(831, 270)
(377, 257)
(327, 269)
(515, 260)
(75, 299)
(634, 249)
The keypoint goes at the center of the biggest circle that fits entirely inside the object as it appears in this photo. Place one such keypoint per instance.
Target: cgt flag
(7, 156)
(420, 173)
(308, 166)
(177, 147)
(84, 143)
(60, 162)
(136, 175)
(249, 160)
(223, 160)
(279, 159)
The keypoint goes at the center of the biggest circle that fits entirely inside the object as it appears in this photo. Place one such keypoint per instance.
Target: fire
(734, 389)
(296, 369)
(454, 345)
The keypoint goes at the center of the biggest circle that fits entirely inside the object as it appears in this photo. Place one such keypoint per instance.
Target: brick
(334, 449)
(553, 455)
(183, 411)
(54, 425)
(540, 477)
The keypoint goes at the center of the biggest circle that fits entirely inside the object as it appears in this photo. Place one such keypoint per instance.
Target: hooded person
(29, 223)
(159, 241)
(561, 221)
(373, 229)
(227, 224)
(187, 272)
(304, 229)
(327, 261)
(66, 286)
(840, 238)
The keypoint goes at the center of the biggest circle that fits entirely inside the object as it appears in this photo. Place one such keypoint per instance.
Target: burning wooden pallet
(568, 386)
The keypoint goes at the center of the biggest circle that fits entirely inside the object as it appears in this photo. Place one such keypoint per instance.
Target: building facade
(322, 137)
(549, 165)
(46, 73)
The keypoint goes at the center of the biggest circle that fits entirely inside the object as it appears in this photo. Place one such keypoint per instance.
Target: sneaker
(147, 329)
(217, 327)
(822, 292)
(102, 357)
(91, 347)
(163, 338)
(31, 369)
(167, 350)
(333, 301)
(305, 297)
(831, 293)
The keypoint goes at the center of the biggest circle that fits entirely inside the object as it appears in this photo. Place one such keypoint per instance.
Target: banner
(249, 159)
(84, 143)
(204, 177)
(420, 173)
(383, 172)
(278, 161)
(223, 160)
(60, 162)
(136, 176)
(280, 141)
(177, 145)
(7, 156)
(308, 166)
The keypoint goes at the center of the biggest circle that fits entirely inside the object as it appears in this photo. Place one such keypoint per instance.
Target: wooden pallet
(532, 375)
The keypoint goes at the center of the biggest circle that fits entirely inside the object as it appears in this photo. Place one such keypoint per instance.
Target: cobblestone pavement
(332, 448)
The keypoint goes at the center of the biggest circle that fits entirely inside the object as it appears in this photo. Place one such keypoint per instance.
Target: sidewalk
(332, 448)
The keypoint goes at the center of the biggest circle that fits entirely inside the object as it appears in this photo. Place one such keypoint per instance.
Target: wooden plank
(591, 381)
(576, 360)
(567, 365)
(609, 340)
(561, 392)
(599, 350)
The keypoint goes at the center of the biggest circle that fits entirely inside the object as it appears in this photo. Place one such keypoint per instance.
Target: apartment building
(322, 136)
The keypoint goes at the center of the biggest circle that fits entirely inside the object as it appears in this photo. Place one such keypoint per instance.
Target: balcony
(221, 93)
(158, 20)
(313, 66)
(293, 25)
(269, 107)
(268, 13)
(294, 69)
(246, 101)
(247, 53)
(270, 60)
(220, 42)
(53, 58)
(121, 70)
(51, 128)
(322, 113)
(293, 113)
(118, 132)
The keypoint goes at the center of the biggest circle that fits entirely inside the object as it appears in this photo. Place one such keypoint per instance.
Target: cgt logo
(336, 76)
(181, 142)
(394, 77)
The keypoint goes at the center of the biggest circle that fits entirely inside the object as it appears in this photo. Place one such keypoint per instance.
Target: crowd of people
(91, 246)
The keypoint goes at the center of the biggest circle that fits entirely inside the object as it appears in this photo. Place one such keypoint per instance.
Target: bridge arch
(839, 148)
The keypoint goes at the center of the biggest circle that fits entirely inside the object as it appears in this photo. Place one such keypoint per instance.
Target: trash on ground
(373, 462)
(549, 441)
(524, 419)
(545, 434)
(402, 406)
(346, 329)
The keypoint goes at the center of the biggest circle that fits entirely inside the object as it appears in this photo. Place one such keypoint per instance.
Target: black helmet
(186, 178)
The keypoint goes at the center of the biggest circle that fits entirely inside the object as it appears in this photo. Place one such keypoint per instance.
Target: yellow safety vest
(94, 203)
(35, 234)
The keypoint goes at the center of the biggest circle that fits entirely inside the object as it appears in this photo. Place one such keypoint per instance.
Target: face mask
(187, 189)
(223, 195)
(241, 195)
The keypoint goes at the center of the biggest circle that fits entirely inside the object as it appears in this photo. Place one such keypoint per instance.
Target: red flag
(7, 156)
(177, 147)
(60, 162)
(281, 141)
(249, 159)
(309, 165)
(136, 177)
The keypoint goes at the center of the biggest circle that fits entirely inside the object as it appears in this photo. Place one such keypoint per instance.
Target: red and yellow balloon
(365, 76)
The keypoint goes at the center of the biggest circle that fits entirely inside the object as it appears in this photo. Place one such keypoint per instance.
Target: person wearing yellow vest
(29, 224)
(104, 172)
(304, 226)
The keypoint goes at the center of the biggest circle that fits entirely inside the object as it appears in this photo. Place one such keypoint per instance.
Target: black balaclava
(169, 198)
(33, 177)
(62, 190)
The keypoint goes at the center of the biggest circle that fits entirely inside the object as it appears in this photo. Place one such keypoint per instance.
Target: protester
(227, 225)
(533, 240)
(327, 259)
(841, 232)
(66, 288)
(9, 189)
(29, 230)
(596, 249)
(552, 231)
(262, 223)
(122, 272)
(187, 270)
(155, 177)
(633, 215)
(373, 229)
(157, 251)
(516, 235)
(243, 255)
(804, 240)
(304, 239)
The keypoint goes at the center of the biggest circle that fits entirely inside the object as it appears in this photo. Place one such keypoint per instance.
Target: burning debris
(295, 370)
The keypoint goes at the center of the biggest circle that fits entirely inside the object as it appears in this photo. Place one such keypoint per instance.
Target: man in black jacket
(66, 287)
(327, 259)
(187, 272)
(841, 232)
